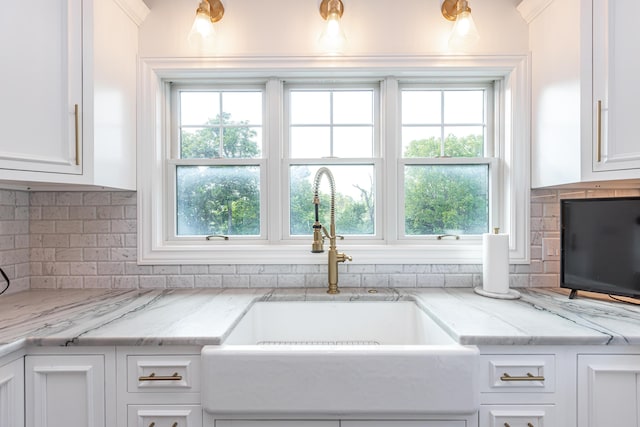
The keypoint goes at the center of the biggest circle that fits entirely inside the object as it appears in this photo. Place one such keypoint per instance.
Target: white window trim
(155, 249)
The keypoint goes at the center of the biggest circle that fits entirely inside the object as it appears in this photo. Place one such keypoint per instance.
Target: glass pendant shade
(464, 34)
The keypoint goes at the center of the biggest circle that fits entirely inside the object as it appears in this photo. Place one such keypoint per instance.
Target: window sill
(442, 253)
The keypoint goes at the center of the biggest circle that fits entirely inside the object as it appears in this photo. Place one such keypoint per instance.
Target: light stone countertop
(206, 316)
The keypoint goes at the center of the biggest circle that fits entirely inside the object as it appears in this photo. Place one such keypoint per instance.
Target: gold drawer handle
(507, 425)
(154, 377)
(528, 377)
(153, 424)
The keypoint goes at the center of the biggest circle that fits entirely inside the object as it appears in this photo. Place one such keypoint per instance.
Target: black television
(600, 245)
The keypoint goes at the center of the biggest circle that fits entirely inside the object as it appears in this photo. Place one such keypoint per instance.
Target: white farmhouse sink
(339, 358)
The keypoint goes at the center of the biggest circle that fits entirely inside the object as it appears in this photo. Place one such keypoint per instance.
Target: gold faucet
(318, 229)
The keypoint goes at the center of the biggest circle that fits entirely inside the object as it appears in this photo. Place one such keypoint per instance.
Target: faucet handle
(341, 257)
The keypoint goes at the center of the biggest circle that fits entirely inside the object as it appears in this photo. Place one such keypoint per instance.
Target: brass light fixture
(464, 33)
(332, 38)
(208, 13)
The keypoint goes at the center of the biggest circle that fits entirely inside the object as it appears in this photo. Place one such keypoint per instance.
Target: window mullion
(390, 146)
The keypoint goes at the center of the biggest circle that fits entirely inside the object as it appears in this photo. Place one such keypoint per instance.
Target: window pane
(446, 199)
(421, 107)
(241, 142)
(354, 200)
(464, 141)
(353, 107)
(353, 142)
(421, 141)
(199, 108)
(311, 142)
(464, 106)
(199, 143)
(310, 107)
(218, 200)
(242, 107)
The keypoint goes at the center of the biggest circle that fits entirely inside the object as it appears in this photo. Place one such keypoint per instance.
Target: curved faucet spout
(319, 229)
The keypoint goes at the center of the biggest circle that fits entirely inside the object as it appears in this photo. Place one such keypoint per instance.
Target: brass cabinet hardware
(528, 377)
(217, 236)
(174, 424)
(506, 425)
(599, 131)
(77, 126)
(529, 425)
(152, 424)
(154, 377)
(442, 236)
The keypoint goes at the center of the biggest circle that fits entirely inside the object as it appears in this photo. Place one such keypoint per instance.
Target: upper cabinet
(68, 110)
(584, 97)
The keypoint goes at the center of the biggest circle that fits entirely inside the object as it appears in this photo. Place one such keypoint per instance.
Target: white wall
(292, 27)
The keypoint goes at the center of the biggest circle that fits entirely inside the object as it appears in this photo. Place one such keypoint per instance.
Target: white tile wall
(88, 240)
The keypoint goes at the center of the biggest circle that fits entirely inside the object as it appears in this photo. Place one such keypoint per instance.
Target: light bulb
(332, 38)
(464, 34)
(202, 30)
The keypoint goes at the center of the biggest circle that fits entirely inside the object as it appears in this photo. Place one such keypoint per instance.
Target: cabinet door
(616, 93)
(12, 394)
(608, 390)
(41, 45)
(65, 391)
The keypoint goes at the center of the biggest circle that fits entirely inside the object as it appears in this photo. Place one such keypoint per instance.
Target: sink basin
(339, 358)
(356, 323)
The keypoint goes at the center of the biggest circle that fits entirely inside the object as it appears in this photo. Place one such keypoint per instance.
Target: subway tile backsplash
(88, 240)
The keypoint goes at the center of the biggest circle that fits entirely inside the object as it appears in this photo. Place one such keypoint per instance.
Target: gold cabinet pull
(599, 131)
(154, 377)
(152, 424)
(174, 424)
(77, 126)
(528, 377)
(530, 425)
(506, 425)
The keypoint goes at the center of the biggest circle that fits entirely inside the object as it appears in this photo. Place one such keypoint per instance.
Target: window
(423, 165)
(335, 126)
(447, 160)
(216, 161)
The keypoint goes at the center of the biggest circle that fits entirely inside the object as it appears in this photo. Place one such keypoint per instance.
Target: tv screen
(600, 245)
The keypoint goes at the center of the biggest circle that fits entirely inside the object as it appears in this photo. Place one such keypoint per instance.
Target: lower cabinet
(608, 390)
(276, 423)
(12, 394)
(517, 416)
(164, 416)
(65, 390)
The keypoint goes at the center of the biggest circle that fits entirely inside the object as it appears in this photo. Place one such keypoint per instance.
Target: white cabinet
(615, 90)
(164, 416)
(41, 44)
(68, 110)
(158, 386)
(518, 388)
(65, 390)
(608, 390)
(400, 423)
(12, 394)
(582, 53)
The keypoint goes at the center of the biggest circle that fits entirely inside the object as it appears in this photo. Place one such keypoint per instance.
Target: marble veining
(206, 316)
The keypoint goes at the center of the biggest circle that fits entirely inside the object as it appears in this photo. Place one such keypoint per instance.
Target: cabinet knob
(152, 424)
(506, 425)
(175, 424)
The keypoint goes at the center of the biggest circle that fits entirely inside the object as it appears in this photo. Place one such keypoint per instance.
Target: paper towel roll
(495, 263)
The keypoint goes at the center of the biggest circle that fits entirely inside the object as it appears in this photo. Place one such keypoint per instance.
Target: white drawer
(517, 416)
(517, 373)
(164, 416)
(167, 373)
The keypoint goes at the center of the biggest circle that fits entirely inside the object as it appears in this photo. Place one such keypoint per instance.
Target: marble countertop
(206, 316)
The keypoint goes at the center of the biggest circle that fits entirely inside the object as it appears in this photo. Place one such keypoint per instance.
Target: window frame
(512, 87)
(375, 160)
(174, 160)
(492, 145)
